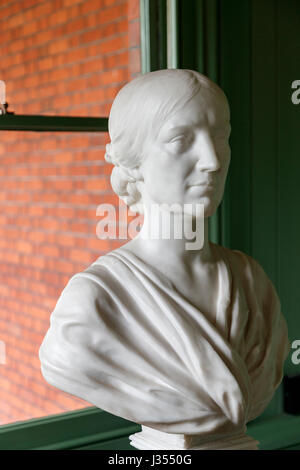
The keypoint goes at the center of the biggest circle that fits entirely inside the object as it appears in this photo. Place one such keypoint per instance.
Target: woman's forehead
(204, 107)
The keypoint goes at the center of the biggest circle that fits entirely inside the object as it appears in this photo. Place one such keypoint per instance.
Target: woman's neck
(174, 235)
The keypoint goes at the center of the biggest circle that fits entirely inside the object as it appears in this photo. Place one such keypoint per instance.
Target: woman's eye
(179, 139)
(179, 143)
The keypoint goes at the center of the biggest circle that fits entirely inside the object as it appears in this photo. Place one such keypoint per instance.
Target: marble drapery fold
(124, 339)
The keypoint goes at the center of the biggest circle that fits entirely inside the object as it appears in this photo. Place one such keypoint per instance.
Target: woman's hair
(138, 111)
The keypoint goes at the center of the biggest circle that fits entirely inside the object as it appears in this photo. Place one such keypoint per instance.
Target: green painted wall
(259, 50)
(252, 49)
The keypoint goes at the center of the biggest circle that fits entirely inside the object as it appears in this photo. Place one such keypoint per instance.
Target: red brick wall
(66, 57)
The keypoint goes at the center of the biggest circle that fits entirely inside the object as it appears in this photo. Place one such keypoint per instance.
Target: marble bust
(188, 343)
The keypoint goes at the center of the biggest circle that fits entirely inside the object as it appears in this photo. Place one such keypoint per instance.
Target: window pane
(61, 58)
(68, 57)
(50, 187)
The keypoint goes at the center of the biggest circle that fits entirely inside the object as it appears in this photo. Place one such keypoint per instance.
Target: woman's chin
(204, 206)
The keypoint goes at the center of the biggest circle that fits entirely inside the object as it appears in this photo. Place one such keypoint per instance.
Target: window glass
(68, 57)
(60, 58)
(50, 187)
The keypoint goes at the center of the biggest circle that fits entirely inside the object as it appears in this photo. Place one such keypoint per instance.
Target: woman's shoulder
(102, 270)
(249, 272)
(251, 275)
(242, 261)
(101, 280)
(86, 285)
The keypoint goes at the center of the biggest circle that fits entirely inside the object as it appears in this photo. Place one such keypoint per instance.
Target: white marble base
(151, 439)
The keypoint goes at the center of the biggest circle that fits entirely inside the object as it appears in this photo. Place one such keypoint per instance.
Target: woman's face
(187, 162)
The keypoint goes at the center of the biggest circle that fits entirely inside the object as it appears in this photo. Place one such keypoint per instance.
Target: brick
(108, 15)
(67, 3)
(93, 65)
(65, 57)
(29, 28)
(117, 60)
(78, 227)
(15, 72)
(89, 6)
(23, 247)
(97, 185)
(115, 44)
(134, 33)
(93, 35)
(44, 36)
(76, 55)
(49, 251)
(81, 255)
(58, 17)
(134, 61)
(58, 46)
(133, 9)
(13, 21)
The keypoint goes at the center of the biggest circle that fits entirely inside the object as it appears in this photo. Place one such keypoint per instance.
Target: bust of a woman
(188, 342)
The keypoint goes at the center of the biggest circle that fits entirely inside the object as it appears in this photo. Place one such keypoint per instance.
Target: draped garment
(124, 339)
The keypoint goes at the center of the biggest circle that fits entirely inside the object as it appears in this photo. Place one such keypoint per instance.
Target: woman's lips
(205, 185)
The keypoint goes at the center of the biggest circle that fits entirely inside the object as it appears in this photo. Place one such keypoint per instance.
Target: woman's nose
(207, 156)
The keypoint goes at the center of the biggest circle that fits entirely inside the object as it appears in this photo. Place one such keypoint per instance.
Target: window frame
(66, 431)
(94, 429)
(44, 123)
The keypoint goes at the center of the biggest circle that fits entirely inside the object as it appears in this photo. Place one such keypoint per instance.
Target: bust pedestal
(151, 439)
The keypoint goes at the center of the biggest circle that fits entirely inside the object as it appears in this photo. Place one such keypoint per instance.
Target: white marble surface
(151, 439)
(186, 342)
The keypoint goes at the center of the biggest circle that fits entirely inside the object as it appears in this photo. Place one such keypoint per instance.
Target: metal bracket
(3, 105)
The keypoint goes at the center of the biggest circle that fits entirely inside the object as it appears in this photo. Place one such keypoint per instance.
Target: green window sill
(92, 428)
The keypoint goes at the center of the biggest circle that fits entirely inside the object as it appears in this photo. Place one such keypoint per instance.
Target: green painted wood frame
(93, 429)
(18, 122)
(153, 35)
